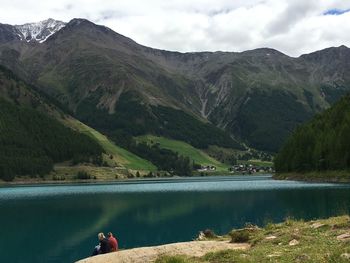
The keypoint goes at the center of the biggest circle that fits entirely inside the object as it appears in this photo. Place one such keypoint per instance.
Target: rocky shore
(150, 254)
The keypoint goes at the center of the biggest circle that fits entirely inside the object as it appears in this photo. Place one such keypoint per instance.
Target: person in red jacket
(113, 242)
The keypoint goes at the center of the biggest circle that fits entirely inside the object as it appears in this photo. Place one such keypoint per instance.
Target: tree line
(31, 142)
(321, 144)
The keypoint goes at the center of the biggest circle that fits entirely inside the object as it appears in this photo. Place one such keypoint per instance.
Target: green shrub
(240, 236)
(6, 174)
(58, 177)
(82, 175)
(208, 233)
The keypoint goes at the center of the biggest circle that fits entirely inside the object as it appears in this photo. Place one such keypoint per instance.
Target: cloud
(291, 26)
(294, 12)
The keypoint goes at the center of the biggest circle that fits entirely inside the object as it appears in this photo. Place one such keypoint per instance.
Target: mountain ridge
(39, 31)
(255, 95)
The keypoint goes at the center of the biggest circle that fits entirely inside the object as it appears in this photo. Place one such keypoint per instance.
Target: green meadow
(120, 155)
(185, 149)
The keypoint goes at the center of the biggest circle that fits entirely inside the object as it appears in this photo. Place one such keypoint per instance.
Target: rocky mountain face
(30, 32)
(258, 96)
(39, 32)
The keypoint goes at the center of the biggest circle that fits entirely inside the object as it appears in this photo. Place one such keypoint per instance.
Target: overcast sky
(292, 26)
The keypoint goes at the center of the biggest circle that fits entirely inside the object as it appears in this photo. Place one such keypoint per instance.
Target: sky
(293, 27)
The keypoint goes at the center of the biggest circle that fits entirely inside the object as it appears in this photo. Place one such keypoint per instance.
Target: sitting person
(96, 250)
(113, 242)
(104, 243)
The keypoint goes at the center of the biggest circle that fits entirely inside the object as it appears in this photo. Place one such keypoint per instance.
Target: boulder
(344, 237)
(294, 242)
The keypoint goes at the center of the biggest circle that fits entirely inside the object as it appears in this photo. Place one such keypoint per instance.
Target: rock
(270, 237)
(201, 236)
(150, 254)
(294, 242)
(317, 225)
(275, 254)
(344, 237)
(345, 255)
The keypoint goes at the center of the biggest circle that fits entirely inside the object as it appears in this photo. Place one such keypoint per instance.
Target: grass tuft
(316, 242)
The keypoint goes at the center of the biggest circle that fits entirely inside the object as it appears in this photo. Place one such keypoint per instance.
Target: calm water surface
(60, 223)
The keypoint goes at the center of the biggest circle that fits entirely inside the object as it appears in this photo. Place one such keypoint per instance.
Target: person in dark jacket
(104, 243)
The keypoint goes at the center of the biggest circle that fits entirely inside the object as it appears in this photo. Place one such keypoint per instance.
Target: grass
(316, 242)
(184, 149)
(175, 259)
(120, 155)
(68, 173)
(257, 163)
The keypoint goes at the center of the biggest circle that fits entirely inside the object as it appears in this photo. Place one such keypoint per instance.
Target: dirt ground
(150, 254)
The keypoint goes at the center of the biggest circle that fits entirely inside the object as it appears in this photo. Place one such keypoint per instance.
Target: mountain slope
(184, 149)
(122, 156)
(32, 141)
(257, 96)
(18, 98)
(321, 144)
(31, 137)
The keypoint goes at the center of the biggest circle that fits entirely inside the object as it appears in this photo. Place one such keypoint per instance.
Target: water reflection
(66, 219)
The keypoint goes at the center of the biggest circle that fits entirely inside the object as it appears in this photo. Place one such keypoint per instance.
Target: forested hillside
(134, 118)
(321, 144)
(31, 142)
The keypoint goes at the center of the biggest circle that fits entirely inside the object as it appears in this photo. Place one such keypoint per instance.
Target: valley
(194, 131)
(140, 103)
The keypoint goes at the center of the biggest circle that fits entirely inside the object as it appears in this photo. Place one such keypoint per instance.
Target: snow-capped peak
(39, 32)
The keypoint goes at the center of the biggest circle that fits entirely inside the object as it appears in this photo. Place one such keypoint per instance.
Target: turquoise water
(59, 223)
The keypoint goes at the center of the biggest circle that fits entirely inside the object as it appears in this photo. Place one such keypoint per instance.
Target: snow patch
(39, 32)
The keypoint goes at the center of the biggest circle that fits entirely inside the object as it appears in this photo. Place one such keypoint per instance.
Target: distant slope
(321, 144)
(31, 142)
(135, 118)
(184, 149)
(32, 136)
(257, 96)
(122, 156)
(16, 91)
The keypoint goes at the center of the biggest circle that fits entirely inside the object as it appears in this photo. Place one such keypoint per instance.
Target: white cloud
(291, 26)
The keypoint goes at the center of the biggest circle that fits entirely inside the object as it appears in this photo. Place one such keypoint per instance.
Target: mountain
(30, 32)
(114, 84)
(39, 32)
(31, 137)
(323, 144)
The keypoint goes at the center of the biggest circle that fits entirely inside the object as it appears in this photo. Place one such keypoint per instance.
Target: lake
(59, 223)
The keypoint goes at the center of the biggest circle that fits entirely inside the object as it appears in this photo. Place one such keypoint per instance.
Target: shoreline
(316, 177)
(38, 182)
(151, 253)
(321, 240)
